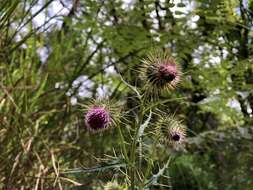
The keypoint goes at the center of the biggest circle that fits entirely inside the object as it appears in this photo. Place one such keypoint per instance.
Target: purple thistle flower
(97, 118)
(161, 71)
(167, 72)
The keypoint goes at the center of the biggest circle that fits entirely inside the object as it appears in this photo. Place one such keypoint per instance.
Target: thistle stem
(134, 146)
(123, 144)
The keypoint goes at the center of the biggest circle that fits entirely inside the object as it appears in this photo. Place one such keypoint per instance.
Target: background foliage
(55, 55)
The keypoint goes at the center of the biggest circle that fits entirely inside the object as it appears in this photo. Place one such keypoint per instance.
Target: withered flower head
(176, 135)
(171, 130)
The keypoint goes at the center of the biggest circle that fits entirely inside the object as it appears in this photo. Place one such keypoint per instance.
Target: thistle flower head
(176, 135)
(171, 130)
(97, 118)
(100, 115)
(160, 71)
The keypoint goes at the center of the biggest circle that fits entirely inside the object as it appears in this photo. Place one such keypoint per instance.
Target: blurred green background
(56, 54)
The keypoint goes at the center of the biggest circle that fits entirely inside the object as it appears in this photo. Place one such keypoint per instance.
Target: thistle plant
(150, 128)
(55, 55)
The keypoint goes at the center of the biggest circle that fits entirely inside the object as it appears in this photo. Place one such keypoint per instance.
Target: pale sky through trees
(57, 9)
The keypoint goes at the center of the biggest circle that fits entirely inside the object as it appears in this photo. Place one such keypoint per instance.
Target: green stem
(149, 164)
(149, 167)
(123, 144)
(133, 147)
